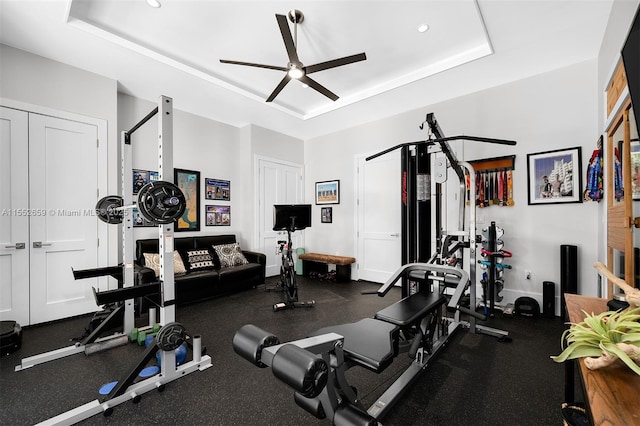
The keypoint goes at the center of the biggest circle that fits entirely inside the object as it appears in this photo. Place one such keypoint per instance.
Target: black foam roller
(312, 405)
(249, 341)
(305, 372)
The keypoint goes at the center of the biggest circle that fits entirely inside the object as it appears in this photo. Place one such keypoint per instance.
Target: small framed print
(555, 176)
(328, 192)
(218, 215)
(216, 189)
(326, 214)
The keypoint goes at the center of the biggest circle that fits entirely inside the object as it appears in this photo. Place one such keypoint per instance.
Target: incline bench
(315, 262)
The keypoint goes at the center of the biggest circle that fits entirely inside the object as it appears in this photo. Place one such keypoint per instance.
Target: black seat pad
(411, 309)
(370, 343)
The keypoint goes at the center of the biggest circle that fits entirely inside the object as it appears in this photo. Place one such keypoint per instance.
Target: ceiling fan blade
(288, 39)
(335, 63)
(318, 87)
(279, 88)
(250, 64)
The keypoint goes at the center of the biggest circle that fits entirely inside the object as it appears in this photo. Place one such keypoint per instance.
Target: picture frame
(635, 167)
(217, 189)
(326, 214)
(328, 192)
(555, 177)
(140, 179)
(189, 183)
(218, 215)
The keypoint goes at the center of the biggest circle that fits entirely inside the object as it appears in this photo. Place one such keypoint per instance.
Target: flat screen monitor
(631, 60)
(297, 214)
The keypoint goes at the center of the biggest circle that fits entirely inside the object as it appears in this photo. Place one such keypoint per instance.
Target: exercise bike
(290, 218)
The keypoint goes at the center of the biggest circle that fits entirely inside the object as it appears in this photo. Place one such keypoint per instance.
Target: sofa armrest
(255, 257)
(143, 275)
(260, 258)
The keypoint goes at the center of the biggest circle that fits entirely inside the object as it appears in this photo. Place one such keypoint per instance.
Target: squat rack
(126, 388)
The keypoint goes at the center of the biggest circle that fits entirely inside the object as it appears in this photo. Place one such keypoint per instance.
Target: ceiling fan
(295, 69)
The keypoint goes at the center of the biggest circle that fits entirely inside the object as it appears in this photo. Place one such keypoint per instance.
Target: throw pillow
(230, 255)
(152, 260)
(199, 260)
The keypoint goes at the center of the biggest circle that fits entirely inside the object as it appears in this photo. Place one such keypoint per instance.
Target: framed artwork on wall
(328, 192)
(326, 214)
(216, 189)
(218, 215)
(189, 183)
(555, 177)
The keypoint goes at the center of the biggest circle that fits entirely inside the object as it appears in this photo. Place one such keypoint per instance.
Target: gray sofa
(206, 282)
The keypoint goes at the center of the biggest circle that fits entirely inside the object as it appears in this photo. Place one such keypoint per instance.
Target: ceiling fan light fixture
(295, 72)
(154, 3)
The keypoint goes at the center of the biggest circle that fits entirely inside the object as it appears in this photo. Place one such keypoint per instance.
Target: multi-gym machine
(433, 285)
(425, 163)
(162, 202)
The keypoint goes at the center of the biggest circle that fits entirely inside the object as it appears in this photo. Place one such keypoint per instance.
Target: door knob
(17, 246)
(40, 244)
(636, 222)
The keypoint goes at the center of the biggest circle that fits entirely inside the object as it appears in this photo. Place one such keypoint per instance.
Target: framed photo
(140, 179)
(555, 176)
(189, 183)
(139, 220)
(218, 215)
(328, 192)
(635, 168)
(326, 214)
(216, 189)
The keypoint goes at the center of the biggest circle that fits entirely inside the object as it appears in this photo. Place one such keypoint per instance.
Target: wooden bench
(315, 262)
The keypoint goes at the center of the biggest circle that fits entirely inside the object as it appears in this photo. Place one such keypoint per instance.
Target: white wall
(46, 84)
(216, 150)
(549, 111)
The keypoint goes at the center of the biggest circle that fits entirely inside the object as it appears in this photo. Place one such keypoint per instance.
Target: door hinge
(97, 143)
(98, 242)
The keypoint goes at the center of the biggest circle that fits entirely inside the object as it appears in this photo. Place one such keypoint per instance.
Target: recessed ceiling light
(423, 28)
(153, 3)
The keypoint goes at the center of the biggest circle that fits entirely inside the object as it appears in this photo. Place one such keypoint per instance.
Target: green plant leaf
(613, 349)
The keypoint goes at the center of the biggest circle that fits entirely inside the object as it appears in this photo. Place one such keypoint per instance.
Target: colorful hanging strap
(594, 191)
(619, 189)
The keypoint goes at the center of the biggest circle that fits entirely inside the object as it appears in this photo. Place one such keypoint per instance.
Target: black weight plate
(171, 336)
(161, 202)
(106, 209)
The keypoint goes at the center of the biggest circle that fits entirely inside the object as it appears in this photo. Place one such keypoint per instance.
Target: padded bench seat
(410, 309)
(369, 343)
(343, 264)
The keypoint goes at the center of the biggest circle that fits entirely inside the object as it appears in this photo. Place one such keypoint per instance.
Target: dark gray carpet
(474, 381)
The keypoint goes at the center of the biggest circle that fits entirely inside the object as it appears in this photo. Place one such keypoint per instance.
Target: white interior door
(63, 183)
(14, 216)
(278, 183)
(379, 226)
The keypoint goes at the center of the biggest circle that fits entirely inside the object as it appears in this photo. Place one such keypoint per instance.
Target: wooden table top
(613, 392)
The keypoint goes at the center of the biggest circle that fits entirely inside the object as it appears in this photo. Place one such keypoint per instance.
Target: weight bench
(316, 262)
(315, 366)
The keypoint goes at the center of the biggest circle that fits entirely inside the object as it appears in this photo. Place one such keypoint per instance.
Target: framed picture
(326, 214)
(328, 192)
(216, 189)
(140, 179)
(218, 215)
(139, 220)
(635, 168)
(555, 176)
(189, 183)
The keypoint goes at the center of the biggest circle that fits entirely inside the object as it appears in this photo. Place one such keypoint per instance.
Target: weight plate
(171, 336)
(106, 209)
(161, 202)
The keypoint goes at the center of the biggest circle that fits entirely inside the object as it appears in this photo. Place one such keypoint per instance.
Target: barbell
(159, 202)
